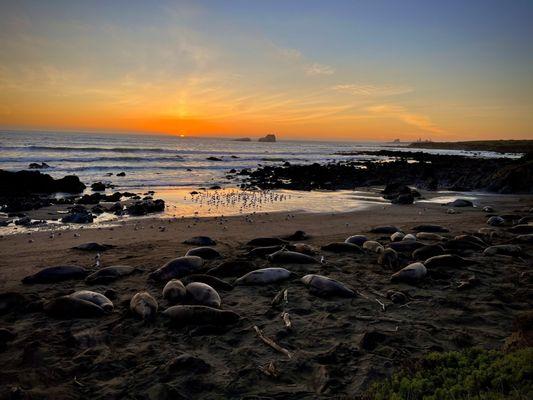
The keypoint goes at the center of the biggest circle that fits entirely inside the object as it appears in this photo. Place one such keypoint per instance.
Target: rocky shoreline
(422, 170)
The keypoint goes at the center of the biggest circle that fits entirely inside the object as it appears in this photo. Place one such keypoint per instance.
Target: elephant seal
(429, 236)
(267, 241)
(495, 220)
(471, 238)
(356, 239)
(397, 236)
(297, 236)
(212, 281)
(144, 305)
(57, 274)
(447, 261)
(430, 228)
(460, 203)
(412, 273)
(232, 268)
(207, 253)
(95, 298)
(488, 209)
(263, 251)
(323, 286)
(409, 236)
(92, 246)
(388, 258)
(523, 229)
(264, 276)
(68, 307)
(174, 291)
(387, 229)
(524, 238)
(373, 246)
(304, 248)
(406, 246)
(504, 249)
(431, 250)
(200, 241)
(109, 274)
(342, 247)
(463, 244)
(202, 294)
(290, 257)
(178, 268)
(184, 315)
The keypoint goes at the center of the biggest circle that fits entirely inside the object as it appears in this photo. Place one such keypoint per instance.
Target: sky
(303, 69)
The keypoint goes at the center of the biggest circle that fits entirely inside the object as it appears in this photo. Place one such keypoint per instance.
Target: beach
(336, 346)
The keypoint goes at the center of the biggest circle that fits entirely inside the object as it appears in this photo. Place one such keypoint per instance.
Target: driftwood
(280, 298)
(271, 343)
(286, 319)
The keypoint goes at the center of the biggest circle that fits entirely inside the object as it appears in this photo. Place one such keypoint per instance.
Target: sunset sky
(356, 70)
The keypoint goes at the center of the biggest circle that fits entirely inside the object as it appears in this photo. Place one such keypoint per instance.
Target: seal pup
(409, 236)
(431, 250)
(200, 241)
(429, 236)
(504, 249)
(290, 257)
(323, 286)
(397, 236)
(387, 229)
(68, 307)
(373, 246)
(412, 273)
(232, 268)
(263, 251)
(495, 220)
(406, 246)
(95, 298)
(304, 248)
(523, 229)
(184, 315)
(264, 276)
(144, 305)
(297, 236)
(93, 246)
(202, 294)
(212, 281)
(356, 239)
(342, 247)
(267, 241)
(488, 209)
(109, 274)
(388, 258)
(174, 291)
(207, 253)
(447, 261)
(464, 243)
(178, 268)
(57, 274)
(430, 228)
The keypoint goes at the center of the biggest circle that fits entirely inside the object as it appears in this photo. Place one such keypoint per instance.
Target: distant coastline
(499, 146)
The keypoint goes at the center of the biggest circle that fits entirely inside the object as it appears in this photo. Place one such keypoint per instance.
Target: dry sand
(338, 345)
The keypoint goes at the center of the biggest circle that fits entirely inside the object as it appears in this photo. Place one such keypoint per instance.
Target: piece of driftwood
(286, 319)
(270, 369)
(282, 298)
(271, 343)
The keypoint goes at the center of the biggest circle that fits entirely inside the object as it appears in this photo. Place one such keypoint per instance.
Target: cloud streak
(395, 111)
(358, 89)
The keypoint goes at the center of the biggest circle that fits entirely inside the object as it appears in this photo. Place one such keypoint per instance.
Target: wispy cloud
(372, 90)
(319, 69)
(418, 120)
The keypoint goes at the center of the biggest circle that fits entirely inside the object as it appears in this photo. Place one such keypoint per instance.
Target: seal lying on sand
(447, 261)
(504, 249)
(296, 236)
(495, 220)
(92, 246)
(267, 241)
(356, 239)
(407, 246)
(412, 273)
(263, 251)
(212, 281)
(388, 258)
(431, 250)
(303, 248)
(177, 268)
(429, 236)
(388, 229)
(174, 291)
(264, 276)
(57, 274)
(232, 268)
(68, 307)
(342, 247)
(95, 298)
(207, 253)
(523, 229)
(430, 228)
(144, 305)
(200, 315)
(200, 241)
(397, 236)
(202, 294)
(373, 246)
(109, 274)
(290, 257)
(463, 244)
(323, 286)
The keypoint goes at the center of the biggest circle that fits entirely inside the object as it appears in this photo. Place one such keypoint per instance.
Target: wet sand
(337, 345)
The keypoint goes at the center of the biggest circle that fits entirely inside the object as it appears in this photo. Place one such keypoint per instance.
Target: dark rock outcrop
(28, 182)
(146, 207)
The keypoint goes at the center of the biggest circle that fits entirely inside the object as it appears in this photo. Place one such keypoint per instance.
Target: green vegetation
(501, 146)
(472, 374)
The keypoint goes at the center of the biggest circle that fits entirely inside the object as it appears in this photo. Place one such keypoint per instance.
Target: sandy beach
(337, 346)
